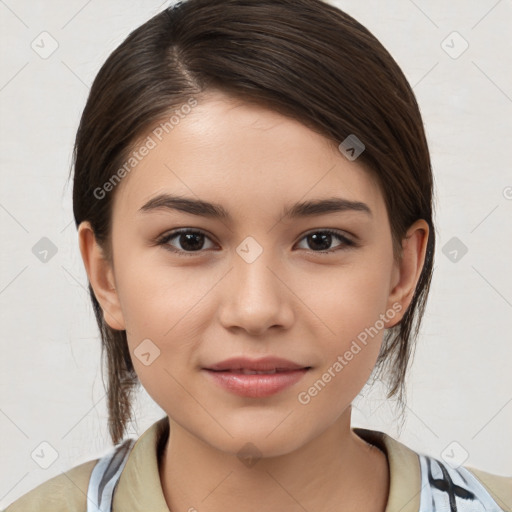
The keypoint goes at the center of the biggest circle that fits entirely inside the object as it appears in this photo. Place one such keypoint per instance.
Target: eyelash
(164, 239)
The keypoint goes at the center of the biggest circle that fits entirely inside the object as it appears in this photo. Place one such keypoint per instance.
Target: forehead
(244, 156)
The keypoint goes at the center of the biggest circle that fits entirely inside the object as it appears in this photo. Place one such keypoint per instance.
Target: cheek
(348, 356)
(351, 300)
(154, 296)
(164, 312)
(352, 305)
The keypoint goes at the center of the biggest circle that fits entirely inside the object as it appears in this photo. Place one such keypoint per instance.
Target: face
(316, 289)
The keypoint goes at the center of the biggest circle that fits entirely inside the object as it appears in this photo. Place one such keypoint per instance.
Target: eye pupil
(322, 239)
(187, 239)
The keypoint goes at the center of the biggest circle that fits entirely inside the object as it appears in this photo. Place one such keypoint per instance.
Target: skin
(290, 302)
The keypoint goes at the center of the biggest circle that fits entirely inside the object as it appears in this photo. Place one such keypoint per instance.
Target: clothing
(130, 473)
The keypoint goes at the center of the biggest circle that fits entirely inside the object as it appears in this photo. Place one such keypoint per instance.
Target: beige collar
(404, 471)
(139, 488)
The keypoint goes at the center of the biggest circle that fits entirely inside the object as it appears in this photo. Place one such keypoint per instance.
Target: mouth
(263, 365)
(247, 371)
(256, 378)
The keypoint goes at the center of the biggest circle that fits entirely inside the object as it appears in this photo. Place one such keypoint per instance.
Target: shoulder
(499, 487)
(443, 483)
(420, 482)
(92, 484)
(66, 492)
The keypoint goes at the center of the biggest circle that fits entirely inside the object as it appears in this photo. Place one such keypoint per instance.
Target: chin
(251, 448)
(260, 439)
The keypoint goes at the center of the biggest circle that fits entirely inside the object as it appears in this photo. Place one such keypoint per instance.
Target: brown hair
(305, 59)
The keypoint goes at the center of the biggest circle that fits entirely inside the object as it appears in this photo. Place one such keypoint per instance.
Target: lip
(262, 364)
(229, 375)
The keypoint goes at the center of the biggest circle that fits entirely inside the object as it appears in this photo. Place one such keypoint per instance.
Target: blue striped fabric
(448, 489)
(104, 478)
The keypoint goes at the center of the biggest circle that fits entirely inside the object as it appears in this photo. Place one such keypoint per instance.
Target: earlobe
(406, 273)
(101, 276)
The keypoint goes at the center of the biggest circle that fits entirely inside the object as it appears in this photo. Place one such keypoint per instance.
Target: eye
(192, 241)
(325, 239)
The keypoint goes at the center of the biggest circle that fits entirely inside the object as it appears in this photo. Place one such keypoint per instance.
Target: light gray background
(460, 386)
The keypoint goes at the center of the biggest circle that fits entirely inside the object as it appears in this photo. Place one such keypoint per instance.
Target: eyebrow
(216, 211)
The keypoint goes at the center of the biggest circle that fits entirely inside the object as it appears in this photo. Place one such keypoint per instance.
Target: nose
(256, 295)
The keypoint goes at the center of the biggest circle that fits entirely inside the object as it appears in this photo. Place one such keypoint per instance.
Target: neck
(335, 471)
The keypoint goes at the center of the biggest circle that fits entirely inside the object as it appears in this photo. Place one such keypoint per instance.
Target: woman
(253, 196)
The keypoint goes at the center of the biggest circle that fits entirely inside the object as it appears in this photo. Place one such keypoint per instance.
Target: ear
(407, 271)
(101, 276)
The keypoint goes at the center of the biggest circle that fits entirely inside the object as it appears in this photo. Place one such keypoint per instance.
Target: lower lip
(256, 385)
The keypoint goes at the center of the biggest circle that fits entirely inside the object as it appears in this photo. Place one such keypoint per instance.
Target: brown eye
(189, 241)
(320, 241)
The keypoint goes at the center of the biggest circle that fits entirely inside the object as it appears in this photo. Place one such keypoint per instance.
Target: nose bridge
(258, 298)
(256, 265)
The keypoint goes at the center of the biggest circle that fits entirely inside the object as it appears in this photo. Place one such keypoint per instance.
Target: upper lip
(262, 364)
